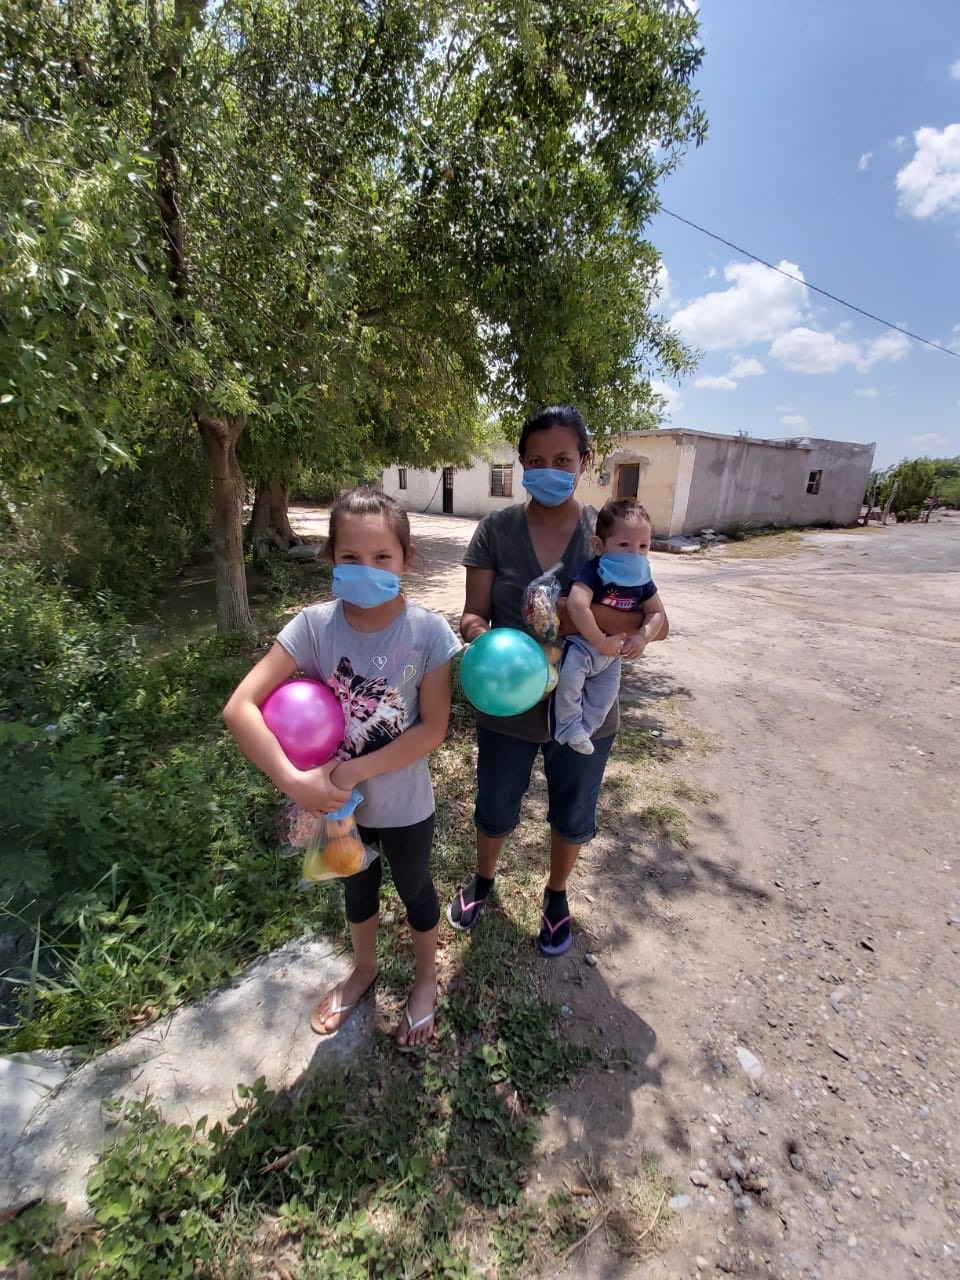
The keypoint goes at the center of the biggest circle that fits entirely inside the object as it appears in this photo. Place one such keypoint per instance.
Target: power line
(799, 280)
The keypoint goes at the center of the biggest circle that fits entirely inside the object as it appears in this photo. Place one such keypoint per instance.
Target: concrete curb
(188, 1066)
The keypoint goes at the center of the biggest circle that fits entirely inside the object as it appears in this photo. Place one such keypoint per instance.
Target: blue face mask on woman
(548, 486)
(625, 569)
(363, 586)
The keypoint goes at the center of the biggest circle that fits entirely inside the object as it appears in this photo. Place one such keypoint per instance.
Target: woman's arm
(420, 739)
(477, 604)
(311, 788)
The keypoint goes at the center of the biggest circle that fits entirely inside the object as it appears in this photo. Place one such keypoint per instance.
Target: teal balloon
(504, 672)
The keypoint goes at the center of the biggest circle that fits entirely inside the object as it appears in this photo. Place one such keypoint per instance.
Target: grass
(766, 544)
(393, 1167)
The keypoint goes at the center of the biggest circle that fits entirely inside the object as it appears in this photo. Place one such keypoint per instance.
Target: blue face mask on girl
(625, 569)
(548, 486)
(363, 586)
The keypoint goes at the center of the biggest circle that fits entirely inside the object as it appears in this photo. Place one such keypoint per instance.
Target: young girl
(388, 661)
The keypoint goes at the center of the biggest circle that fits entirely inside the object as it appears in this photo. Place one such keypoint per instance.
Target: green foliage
(333, 232)
(946, 473)
(126, 532)
(392, 1168)
(915, 480)
(374, 1171)
(134, 837)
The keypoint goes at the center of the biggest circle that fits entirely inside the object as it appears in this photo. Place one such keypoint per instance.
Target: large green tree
(318, 231)
(908, 484)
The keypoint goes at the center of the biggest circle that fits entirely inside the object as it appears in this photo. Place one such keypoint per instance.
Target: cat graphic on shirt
(373, 711)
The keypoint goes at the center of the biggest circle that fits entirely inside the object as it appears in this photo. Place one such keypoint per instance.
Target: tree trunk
(269, 525)
(220, 437)
(889, 502)
(870, 501)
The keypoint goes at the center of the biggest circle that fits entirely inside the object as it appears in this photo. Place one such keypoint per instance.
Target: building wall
(663, 461)
(738, 480)
(471, 487)
(688, 480)
(423, 492)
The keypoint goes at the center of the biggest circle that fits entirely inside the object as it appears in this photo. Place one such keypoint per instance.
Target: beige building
(688, 480)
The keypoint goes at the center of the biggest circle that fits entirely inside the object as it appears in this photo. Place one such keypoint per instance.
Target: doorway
(448, 491)
(628, 479)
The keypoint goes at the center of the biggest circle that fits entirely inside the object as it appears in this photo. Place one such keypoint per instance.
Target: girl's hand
(346, 775)
(316, 791)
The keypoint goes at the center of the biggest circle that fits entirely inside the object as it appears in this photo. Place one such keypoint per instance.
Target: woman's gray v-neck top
(502, 543)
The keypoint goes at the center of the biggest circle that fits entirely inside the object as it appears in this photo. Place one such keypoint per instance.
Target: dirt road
(780, 994)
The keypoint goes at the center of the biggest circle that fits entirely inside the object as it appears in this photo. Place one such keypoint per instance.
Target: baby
(618, 576)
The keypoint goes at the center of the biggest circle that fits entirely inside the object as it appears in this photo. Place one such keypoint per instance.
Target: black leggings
(407, 849)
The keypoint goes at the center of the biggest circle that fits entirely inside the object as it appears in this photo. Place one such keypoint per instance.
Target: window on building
(813, 481)
(402, 477)
(501, 480)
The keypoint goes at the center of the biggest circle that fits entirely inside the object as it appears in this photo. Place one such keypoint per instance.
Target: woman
(509, 549)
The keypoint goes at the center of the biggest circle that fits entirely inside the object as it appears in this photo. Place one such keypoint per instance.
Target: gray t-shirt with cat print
(376, 676)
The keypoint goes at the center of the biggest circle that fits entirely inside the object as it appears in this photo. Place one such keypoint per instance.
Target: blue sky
(833, 152)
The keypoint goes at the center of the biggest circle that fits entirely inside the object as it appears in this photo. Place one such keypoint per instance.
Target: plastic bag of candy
(539, 606)
(331, 844)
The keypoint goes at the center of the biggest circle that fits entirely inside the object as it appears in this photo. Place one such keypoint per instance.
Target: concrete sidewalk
(187, 1065)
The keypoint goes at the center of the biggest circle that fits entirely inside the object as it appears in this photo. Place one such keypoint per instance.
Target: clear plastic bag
(539, 606)
(331, 844)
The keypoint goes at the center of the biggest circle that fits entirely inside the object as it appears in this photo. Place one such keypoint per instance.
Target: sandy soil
(780, 994)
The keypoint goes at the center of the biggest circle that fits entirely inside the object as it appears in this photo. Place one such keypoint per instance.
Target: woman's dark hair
(369, 502)
(620, 509)
(555, 415)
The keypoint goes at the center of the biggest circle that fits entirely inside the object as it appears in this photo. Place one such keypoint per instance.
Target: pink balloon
(306, 718)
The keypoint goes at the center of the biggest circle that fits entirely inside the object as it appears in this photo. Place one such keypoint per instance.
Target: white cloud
(927, 442)
(930, 183)
(864, 162)
(900, 143)
(707, 383)
(891, 345)
(805, 350)
(808, 351)
(869, 393)
(745, 367)
(671, 396)
(662, 286)
(794, 420)
(759, 305)
(955, 70)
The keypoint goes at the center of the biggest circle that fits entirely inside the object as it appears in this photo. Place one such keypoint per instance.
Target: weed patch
(152, 848)
(759, 543)
(377, 1170)
(666, 820)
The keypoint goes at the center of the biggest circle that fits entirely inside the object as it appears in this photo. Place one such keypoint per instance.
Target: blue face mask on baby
(625, 569)
(364, 587)
(548, 486)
